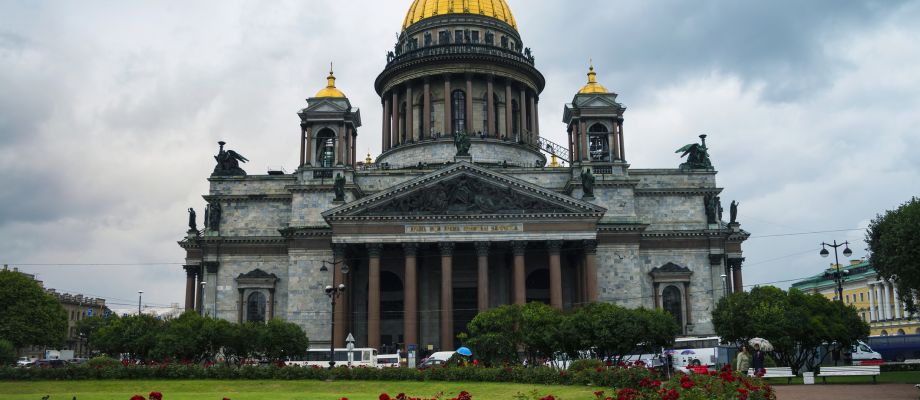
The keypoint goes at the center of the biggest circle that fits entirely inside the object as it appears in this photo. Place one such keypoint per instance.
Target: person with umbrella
(757, 359)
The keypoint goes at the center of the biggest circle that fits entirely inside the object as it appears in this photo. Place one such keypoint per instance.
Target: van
(436, 359)
(862, 352)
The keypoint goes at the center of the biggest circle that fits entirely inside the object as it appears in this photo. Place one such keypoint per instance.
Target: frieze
(464, 228)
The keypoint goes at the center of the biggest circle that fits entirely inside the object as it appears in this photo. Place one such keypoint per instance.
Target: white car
(25, 362)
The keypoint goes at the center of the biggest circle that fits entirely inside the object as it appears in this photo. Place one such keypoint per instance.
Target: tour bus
(895, 347)
(360, 357)
(700, 351)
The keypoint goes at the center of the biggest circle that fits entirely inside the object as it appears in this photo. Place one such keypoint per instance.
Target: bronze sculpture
(587, 183)
(228, 162)
(339, 187)
(698, 155)
(462, 141)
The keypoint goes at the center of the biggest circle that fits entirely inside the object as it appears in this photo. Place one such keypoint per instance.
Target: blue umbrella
(463, 351)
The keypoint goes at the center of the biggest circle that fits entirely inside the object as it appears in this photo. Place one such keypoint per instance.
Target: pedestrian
(743, 363)
(757, 360)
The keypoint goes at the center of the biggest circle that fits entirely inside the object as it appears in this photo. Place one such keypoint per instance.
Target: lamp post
(139, 293)
(838, 275)
(333, 292)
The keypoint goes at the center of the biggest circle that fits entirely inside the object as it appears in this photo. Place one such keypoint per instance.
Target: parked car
(436, 359)
(49, 364)
(25, 362)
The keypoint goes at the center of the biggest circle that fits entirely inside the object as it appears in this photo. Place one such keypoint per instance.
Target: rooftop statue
(228, 162)
(339, 187)
(698, 155)
(587, 183)
(462, 141)
(192, 224)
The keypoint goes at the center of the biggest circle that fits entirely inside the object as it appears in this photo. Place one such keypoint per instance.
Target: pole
(839, 277)
(332, 294)
(139, 293)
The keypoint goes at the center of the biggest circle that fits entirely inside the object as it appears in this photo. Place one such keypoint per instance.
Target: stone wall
(489, 151)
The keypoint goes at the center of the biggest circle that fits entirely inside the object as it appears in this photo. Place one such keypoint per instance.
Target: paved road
(843, 392)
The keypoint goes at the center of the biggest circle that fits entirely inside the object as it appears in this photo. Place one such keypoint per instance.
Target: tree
(281, 340)
(894, 249)
(88, 327)
(797, 324)
(28, 315)
(135, 336)
(539, 331)
(7, 353)
(181, 338)
(492, 335)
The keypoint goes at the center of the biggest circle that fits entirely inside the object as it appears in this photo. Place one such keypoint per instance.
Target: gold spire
(368, 160)
(593, 86)
(423, 9)
(330, 89)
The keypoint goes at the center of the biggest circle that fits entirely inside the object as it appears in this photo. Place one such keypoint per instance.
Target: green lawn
(280, 390)
(911, 377)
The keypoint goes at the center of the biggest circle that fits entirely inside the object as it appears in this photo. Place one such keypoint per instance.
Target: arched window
(485, 114)
(515, 117)
(671, 302)
(598, 144)
(403, 128)
(325, 148)
(884, 333)
(901, 332)
(458, 107)
(255, 307)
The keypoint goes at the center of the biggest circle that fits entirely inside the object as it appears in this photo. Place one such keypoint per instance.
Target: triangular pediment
(322, 104)
(597, 101)
(465, 190)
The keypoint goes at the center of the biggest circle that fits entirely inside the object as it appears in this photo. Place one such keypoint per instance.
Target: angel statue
(698, 155)
(228, 162)
(462, 141)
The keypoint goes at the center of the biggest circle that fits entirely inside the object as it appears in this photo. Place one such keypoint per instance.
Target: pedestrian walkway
(841, 391)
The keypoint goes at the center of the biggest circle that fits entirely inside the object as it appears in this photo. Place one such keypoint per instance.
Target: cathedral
(466, 208)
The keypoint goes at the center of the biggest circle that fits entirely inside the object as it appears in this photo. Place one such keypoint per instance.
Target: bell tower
(329, 131)
(595, 126)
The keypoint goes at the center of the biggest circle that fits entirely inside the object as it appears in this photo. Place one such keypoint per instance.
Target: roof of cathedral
(330, 90)
(423, 9)
(593, 86)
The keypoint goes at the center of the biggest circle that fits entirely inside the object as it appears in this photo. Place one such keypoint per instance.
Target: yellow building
(876, 300)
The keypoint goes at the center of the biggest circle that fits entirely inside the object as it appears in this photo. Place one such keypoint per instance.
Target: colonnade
(884, 304)
(399, 126)
(588, 281)
(346, 138)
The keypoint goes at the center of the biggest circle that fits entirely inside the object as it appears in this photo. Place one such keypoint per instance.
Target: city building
(876, 300)
(460, 212)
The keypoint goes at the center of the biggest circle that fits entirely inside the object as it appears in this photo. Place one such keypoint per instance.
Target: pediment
(597, 101)
(671, 272)
(465, 190)
(320, 105)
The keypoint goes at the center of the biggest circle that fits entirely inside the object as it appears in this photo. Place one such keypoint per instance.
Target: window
(443, 37)
(504, 42)
(255, 307)
(848, 299)
(515, 117)
(458, 107)
(861, 298)
(672, 303)
(485, 114)
(458, 36)
(900, 332)
(475, 36)
(325, 148)
(427, 39)
(598, 145)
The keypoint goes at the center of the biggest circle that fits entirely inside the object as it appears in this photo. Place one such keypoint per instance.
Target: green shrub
(7, 352)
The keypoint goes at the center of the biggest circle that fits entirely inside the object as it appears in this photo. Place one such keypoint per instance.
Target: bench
(855, 370)
(778, 372)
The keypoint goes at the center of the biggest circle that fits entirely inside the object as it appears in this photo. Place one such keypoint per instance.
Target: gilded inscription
(456, 228)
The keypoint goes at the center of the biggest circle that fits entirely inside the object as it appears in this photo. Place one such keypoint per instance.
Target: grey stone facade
(639, 238)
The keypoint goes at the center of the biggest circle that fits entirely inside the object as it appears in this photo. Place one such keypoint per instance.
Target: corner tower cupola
(595, 124)
(329, 130)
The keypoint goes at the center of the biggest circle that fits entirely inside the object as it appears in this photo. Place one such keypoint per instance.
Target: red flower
(401, 396)
(155, 396)
(548, 397)
(137, 397)
(669, 394)
(384, 396)
(599, 394)
(742, 394)
(687, 385)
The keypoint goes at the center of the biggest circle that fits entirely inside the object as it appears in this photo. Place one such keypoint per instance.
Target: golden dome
(422, 9)
(330, 89)
(593, 86)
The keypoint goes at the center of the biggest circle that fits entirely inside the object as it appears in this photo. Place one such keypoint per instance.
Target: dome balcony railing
(459, 49)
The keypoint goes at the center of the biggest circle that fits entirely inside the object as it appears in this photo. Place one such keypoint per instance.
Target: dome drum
(441, 150)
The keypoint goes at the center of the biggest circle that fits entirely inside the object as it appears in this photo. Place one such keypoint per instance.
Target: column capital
(447, 248)
(735, 263)
(554, 246)
(191, 270)
(482, 248)
(411, 249)
(519, 247)
(590, 246)
(338, 250)
(374, 249)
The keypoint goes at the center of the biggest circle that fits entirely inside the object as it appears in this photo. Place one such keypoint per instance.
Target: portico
(456, 254)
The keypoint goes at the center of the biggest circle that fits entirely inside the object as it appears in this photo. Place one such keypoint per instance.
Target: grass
(280, 390)
(911, 377)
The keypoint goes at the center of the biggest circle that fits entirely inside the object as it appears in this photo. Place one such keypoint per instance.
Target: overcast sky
(110, 112)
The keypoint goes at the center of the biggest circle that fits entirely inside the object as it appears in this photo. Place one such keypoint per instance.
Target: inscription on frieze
(464, 228)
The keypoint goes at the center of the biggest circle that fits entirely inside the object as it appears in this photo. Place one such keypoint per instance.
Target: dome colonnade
(460, 66)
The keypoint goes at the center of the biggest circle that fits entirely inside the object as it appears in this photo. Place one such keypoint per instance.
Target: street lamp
(333, 292)
(839, 276)
(139, 293)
